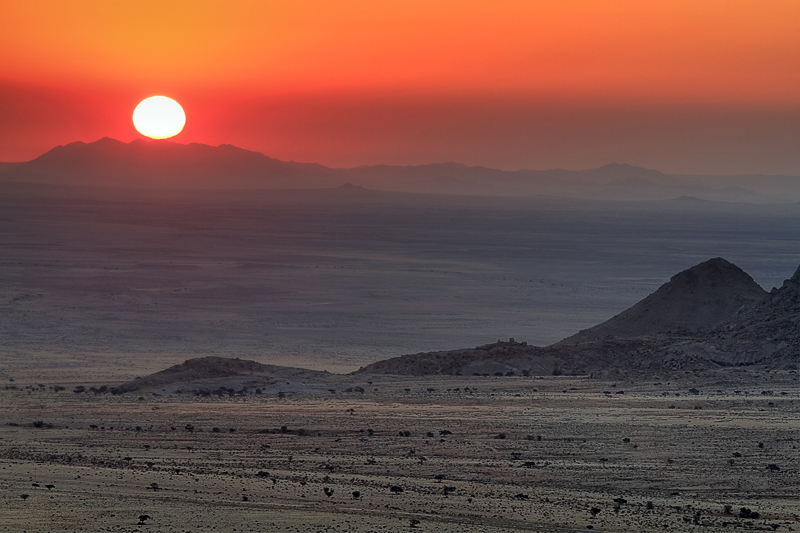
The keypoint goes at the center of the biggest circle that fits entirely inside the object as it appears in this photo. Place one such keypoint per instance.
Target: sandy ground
(439, 454)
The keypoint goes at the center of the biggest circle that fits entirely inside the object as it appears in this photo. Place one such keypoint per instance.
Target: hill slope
(700, 297)
(726, 323)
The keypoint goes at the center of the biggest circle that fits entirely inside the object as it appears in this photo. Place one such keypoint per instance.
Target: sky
(680, 86)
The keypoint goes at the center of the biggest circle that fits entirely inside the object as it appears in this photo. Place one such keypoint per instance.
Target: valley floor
(448, 454)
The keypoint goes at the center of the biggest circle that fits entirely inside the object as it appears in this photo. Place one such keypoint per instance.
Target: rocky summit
(712, 315)
(700, 297)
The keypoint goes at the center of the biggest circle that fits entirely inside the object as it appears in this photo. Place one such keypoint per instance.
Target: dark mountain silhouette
(715, 306)
(165, 164)
(697, 298)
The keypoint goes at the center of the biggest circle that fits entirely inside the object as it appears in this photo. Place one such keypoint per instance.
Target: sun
(159, 117)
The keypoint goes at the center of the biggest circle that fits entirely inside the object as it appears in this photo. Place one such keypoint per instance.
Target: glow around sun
(159, 117)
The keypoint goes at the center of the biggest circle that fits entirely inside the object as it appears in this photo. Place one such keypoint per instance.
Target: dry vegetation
(433, 454)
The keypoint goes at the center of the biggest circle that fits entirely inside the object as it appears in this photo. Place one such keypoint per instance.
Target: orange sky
(687, 86)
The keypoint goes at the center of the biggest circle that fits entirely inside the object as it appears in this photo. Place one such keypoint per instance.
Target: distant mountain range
(164, 164)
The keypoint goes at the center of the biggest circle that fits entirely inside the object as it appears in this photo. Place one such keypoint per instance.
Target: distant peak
(107, 141)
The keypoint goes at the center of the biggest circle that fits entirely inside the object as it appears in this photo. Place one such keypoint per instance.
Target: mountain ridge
(166, 164)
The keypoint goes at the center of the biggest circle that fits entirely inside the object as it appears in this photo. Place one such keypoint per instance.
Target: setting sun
(159, 117)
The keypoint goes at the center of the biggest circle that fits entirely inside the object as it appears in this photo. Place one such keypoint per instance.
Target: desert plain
(703, 453)
(101, 287)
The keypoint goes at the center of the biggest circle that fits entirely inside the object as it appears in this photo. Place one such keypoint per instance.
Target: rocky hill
(700, 297)
(709, 316)
(221, 375)
(768, 330)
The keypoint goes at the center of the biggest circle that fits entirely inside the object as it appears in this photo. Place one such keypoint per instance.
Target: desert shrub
(744, 512)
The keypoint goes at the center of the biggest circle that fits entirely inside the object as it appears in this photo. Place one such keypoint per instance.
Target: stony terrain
(440, 454)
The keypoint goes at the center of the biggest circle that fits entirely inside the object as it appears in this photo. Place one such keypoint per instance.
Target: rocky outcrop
(210, 374)
(700, 297)
(712, 315)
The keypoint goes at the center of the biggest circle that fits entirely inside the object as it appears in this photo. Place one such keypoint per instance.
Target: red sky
(681, 86)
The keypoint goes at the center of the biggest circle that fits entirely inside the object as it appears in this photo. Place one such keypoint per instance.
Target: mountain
(164, 164)
(700, 297)
(712, 315)
(768, 330)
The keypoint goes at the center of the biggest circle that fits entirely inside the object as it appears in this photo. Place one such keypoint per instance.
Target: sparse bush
(744, 512)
